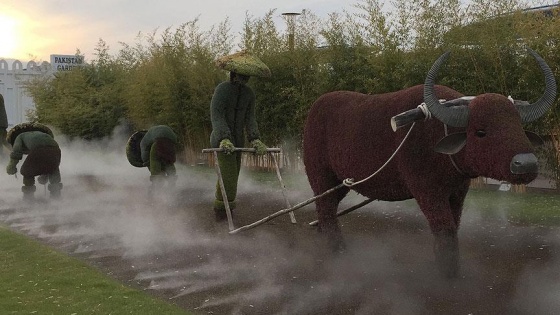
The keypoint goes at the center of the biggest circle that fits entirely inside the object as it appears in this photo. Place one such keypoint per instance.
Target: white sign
(66, 62)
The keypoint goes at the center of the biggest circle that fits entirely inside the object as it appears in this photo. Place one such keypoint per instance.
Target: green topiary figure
(3, 127)
(155, 148)
(43, 158)
(233, 114)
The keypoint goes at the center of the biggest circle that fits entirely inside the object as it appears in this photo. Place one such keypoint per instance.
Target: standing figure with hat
(43, 158)
(232, 112)
(155, 148)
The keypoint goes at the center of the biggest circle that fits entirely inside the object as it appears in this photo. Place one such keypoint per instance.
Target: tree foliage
(168, 76)
(86, 102)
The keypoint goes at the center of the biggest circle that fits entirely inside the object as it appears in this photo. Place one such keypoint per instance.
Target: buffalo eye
(480, 133)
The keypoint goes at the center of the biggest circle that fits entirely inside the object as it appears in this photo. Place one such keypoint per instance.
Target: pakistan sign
(66, 62)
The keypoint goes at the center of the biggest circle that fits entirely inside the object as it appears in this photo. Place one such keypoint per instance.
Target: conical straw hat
(244, 63)
(133, 153)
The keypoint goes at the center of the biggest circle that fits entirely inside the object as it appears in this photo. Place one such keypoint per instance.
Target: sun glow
(30, 35)
(8, 36)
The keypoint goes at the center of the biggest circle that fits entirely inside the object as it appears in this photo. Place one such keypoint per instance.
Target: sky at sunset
(35, 29)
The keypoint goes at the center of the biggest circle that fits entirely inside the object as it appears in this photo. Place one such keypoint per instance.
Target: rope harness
(348, 182)
(425, 111)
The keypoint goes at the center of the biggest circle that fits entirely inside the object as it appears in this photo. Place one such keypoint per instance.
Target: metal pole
(291, 21)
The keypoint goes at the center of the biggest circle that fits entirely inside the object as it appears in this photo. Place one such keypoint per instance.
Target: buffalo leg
(444, 229)
(446, 250)
(456, 202)
(326, 213)
(446, 245)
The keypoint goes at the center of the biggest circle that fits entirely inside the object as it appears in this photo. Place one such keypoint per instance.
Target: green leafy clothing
(155, 132)
(158, 152)
(232, 113)
(28, 141)
(43, 160)
(3, 115)
(3, 126)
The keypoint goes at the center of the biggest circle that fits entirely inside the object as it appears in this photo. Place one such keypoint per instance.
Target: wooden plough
(271, 152)
(289, 209)
(349, 182)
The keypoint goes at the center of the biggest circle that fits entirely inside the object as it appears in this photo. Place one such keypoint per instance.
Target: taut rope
(349, 182)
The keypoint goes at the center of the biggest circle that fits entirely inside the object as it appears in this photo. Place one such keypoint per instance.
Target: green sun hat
(25, 127)
(133, 153)
(244, 63)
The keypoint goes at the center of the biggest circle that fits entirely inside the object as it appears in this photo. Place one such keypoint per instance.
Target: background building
(13, 76)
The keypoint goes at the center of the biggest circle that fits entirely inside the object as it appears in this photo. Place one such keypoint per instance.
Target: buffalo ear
(535, 139)
(452, 143)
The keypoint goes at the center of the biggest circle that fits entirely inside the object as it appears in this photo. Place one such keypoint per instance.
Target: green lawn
(35, 279)
(531, 208)
(542, 209)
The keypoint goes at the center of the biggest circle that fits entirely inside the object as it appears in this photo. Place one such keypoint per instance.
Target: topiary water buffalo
(348, 135)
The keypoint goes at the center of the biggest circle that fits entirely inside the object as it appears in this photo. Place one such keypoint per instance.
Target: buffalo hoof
(448, 264)
(446, 252)
(336, 243)
(334, 238)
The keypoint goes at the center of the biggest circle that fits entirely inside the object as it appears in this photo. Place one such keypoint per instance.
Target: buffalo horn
(531, 112)
(455, 116)
(416, 114)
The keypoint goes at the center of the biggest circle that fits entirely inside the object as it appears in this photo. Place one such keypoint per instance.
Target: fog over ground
(172, 247)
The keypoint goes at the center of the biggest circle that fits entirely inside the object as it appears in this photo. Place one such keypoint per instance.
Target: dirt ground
(173, 248)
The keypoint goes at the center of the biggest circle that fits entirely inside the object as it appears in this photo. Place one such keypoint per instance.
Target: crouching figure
(43, 158)
(155, 148)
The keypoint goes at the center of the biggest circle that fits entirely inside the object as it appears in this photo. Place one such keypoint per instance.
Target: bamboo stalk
(292, 216)
(223, 190)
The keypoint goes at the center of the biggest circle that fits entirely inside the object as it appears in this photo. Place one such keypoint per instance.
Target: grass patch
(520, 208)
(35, 279)
(533, 208)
